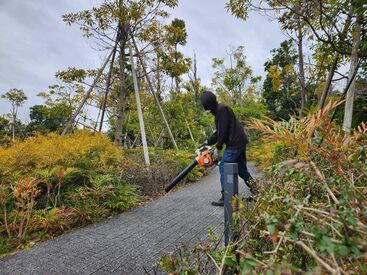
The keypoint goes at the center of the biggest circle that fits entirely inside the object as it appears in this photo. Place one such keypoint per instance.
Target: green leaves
(234, 83)
(247, 265)
(324, 244)
(16, 97)
(239, 8)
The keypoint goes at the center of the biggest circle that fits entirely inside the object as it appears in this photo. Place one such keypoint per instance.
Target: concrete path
(132, 241)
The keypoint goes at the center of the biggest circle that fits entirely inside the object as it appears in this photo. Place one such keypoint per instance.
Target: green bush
(310, 217)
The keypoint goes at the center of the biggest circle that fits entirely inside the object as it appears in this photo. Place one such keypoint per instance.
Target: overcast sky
(35, 42)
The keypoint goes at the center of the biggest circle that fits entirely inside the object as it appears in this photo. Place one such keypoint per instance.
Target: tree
(173, 62)
(47, 119)
(5, 128)
(354, 60)
(234, 83)
(17, 98)
(328, 25)
(281, 88)
(115, 21)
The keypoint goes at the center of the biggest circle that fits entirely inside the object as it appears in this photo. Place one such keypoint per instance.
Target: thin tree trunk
(190, 132)
(14, 113)
(140, 113)
(177, 85)
(302, 72)
(123, 29)
(327, 85)
(154, 95)
(158, 77)
(13, 130)
(348, 111)
(195, 82)
(70, 123)
(331, 72)
(108, 84)
(301, 65)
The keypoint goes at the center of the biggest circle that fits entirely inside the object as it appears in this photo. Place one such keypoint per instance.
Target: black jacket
(229, 130)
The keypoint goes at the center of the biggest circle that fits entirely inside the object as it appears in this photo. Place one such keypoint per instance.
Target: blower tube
(181, 176)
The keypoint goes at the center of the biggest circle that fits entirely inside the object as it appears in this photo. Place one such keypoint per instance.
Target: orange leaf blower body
(204, 159)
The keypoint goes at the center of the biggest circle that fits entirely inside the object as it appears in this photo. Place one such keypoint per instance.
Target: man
(228, 132)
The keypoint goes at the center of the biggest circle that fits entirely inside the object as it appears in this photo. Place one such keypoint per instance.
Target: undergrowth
(50, 184)
(310, 217)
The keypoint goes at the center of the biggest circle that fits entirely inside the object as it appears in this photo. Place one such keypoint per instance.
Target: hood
(209, 102)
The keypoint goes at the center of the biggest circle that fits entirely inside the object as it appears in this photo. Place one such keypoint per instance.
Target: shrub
(52, 183)
(312, 218)
(81, 150)
(106, 195)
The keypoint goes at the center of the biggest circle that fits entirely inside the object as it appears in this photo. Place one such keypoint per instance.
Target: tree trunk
(195, 86)
(331, 72)
(301, 66)
(354, 57)
(177, 85)
(14, 120)
(108, 84)
(158, 77)
(123, 29)
(327, 85)
(190, 132)
(140, 112)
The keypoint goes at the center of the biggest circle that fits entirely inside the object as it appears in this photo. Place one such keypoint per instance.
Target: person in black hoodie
(229, 132)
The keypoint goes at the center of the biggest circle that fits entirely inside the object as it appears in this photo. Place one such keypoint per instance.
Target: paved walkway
(132, 241)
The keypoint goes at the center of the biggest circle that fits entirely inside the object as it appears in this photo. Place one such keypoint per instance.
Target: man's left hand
(216, 154)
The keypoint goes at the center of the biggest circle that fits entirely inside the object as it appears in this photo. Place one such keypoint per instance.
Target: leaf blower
(205, 158)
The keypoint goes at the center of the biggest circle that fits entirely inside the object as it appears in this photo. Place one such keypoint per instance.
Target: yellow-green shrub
(80, 150)
(267, 152)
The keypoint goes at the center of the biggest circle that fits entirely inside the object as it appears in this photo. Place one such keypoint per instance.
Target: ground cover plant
(309, 216)
(50, 184)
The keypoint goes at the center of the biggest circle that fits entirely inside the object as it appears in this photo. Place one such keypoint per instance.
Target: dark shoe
(250, 199)
(251, 184)
(220, 202)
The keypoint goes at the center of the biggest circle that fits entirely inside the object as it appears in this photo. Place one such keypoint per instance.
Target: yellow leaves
(288, 69)
(275, 76)
(263, 154)
(81, 149)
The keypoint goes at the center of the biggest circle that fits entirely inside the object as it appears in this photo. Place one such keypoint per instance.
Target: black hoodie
(229, 129)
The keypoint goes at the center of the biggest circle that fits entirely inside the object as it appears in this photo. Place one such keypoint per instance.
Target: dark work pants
(234, 156)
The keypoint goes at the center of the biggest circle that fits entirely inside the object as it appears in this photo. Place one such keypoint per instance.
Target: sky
(35, 43)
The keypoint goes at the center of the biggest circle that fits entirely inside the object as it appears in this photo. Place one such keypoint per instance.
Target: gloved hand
(216, 154)
(205, 143)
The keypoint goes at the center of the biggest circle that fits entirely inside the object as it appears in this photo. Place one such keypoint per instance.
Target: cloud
(211, 30)
(35, 42)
